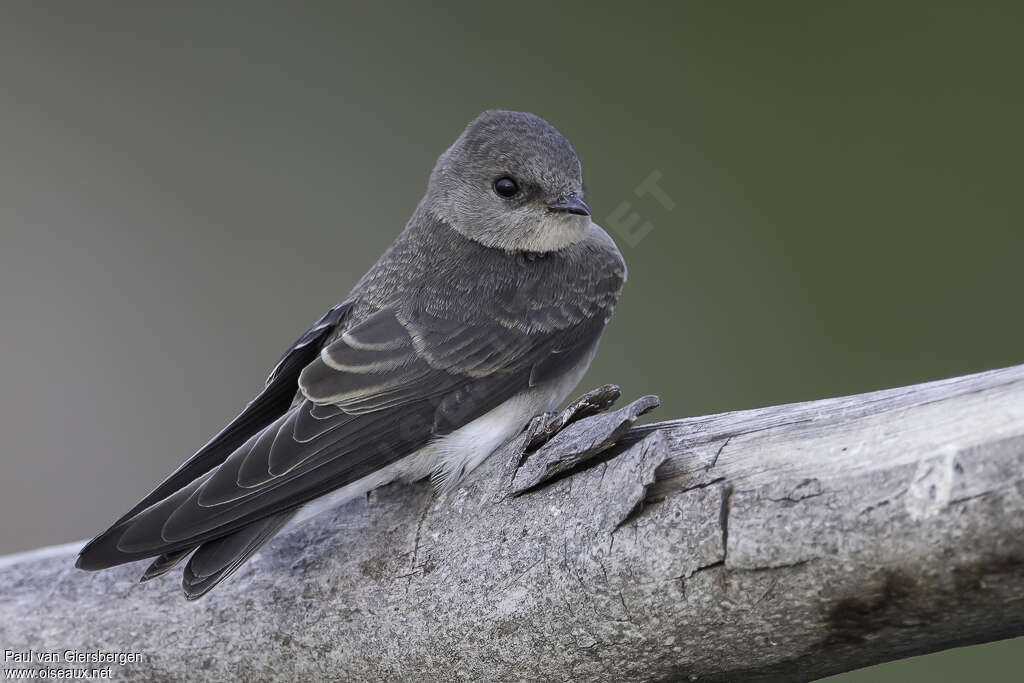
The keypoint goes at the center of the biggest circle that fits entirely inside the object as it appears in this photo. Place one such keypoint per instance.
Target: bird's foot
(554, 444)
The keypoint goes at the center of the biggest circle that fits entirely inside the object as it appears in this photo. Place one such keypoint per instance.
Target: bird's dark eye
(506, 187)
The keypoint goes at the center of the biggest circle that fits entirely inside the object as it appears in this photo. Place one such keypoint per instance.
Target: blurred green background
(184, 188)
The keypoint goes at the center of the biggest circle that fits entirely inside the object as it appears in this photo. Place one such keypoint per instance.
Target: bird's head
(511, 181)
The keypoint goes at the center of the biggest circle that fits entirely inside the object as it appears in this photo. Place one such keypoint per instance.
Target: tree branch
(784, 543)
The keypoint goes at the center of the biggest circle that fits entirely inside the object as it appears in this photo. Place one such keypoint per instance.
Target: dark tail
(164, 564)
(216, 560)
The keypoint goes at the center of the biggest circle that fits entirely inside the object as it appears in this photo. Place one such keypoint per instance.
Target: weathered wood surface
(783, 543)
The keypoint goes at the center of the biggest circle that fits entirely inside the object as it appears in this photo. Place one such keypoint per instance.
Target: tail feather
(164, 564)
(216, 560)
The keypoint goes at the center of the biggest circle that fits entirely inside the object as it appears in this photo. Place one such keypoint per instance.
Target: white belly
(449, 458)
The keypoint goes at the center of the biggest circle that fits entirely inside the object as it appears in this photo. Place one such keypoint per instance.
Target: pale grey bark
(783, 543)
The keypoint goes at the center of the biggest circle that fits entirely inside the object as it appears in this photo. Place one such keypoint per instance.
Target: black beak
(571, 204)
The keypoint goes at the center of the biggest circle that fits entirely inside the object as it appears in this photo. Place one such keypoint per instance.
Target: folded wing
(376, 392)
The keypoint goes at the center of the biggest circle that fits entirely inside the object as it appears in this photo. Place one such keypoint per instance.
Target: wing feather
(374, 386)
(275, 400)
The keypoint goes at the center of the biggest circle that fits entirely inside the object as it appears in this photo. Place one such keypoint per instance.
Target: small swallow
(485, 311)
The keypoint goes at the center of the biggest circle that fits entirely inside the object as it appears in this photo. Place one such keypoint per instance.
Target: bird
(484, 312)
